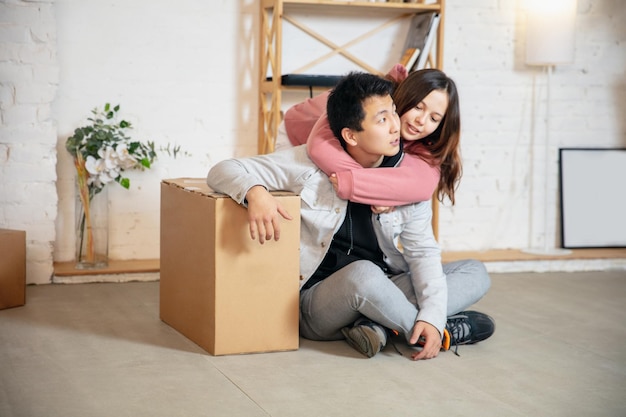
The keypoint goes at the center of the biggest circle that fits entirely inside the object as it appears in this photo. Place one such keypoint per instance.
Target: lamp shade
(550, 32)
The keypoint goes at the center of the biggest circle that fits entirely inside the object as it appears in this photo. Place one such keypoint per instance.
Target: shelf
(363, 5)
(275, 12)
(67, 269)
(515, 255)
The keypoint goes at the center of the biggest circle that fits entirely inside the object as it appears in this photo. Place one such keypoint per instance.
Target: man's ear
(348, 136)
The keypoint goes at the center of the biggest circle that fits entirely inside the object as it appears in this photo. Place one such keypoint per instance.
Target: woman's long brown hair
(440, 148)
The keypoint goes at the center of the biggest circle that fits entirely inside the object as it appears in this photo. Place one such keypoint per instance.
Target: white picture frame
(593, 197)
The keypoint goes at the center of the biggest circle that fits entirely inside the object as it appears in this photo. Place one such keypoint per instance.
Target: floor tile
(101, 350)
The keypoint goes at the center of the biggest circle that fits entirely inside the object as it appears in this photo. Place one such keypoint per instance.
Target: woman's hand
(398, 73)
(431, 340)
(334, 181)
(382, 209)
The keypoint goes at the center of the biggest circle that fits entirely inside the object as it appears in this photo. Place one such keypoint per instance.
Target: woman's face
(423, 119)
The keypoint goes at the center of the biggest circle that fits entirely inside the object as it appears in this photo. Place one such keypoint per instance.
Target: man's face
(380, 136)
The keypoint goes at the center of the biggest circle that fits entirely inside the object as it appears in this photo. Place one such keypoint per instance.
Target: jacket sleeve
(412, 181)
(423, 255)
(275, 171)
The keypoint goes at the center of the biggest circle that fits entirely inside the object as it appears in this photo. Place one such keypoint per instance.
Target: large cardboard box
(218, 287)
(12, 268)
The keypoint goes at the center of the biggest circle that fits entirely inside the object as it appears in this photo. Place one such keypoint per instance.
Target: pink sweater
(300, 118)
(412, 181)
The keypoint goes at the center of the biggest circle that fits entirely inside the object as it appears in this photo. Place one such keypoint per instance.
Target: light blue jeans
(363, 289)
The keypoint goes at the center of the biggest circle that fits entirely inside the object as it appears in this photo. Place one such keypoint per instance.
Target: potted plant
(102, 152)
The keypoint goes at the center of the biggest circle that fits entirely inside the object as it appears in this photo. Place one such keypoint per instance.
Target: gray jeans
(363, 289)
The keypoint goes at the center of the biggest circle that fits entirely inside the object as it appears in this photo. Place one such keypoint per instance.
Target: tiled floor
(101, 350)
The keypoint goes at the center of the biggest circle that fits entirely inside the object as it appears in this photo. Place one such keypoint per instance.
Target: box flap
(199, 185)
(194, 185)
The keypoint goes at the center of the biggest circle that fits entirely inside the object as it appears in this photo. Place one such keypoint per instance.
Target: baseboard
(496, 261)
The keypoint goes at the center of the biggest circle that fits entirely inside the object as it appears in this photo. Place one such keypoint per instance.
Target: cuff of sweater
(345, 181)
(433, 320)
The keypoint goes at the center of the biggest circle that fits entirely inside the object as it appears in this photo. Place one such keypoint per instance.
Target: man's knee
(362, 276)
(481, 276)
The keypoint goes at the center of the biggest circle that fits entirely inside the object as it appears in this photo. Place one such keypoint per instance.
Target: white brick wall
(501, 198)
(28, 84)
(183, 75)
(186, 73)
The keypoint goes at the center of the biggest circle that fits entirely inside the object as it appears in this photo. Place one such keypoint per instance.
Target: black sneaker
(466, 328)
(366, 337)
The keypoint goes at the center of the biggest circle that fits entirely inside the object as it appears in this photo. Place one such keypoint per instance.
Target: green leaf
(107, 106)
(124, 124)
(145, 162)
(116, 108)
(124, 182)
(78, 135)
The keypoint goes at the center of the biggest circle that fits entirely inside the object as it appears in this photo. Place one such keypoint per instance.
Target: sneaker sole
(362, 339)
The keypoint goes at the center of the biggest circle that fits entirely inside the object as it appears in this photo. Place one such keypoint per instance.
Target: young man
(355, 282)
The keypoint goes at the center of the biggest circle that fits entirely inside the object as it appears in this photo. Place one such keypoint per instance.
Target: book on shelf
(410, 57)
(421, 35)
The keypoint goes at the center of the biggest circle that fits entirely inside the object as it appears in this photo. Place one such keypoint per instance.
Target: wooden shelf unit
(274, 12)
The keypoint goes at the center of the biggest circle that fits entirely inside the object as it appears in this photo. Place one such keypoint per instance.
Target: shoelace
(392, 336)
(458, 330)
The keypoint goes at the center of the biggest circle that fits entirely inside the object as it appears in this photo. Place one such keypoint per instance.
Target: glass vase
(92, 230)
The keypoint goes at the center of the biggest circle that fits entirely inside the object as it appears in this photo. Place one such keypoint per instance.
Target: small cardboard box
(218, 287)
(12, 268)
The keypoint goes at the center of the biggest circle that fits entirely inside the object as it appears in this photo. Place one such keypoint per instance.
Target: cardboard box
(12, 268)
(218, 287)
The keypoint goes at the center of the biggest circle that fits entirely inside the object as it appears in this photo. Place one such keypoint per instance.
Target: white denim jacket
(322, 213)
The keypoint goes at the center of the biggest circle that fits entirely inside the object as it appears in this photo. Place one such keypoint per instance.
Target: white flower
(102, 170)
(109, 157)
(94, 166)
(126, 160)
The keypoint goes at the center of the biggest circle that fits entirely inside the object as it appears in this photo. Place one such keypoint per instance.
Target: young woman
(428, 104)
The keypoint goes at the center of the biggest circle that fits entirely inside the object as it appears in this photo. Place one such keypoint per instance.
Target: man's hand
(264, 213)
(431, 339)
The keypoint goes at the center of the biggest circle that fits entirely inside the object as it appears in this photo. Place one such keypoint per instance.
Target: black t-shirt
(355, 240)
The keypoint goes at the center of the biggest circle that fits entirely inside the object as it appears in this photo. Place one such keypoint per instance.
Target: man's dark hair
(345, 102)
